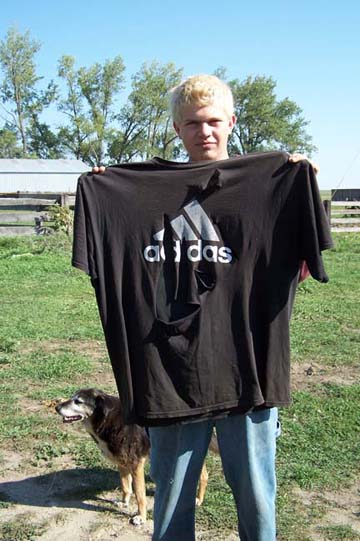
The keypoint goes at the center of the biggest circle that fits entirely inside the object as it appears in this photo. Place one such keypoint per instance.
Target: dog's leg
(204, 476)
(126, 486)
(140, 493)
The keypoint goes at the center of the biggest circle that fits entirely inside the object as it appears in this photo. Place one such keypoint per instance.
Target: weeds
(21, 529)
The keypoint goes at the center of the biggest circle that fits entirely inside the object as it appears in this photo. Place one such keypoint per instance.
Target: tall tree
(89, 106)
(44, 143)
(9, 147)
(22, 102)
(146, 127)
(264, 122)
(78, 128)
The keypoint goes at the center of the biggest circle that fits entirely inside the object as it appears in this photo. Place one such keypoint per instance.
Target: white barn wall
(27, 175)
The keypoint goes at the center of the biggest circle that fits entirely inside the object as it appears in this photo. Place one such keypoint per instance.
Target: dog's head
(80, 406)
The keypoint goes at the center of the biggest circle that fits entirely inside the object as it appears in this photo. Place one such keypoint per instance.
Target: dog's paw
(198, 502)
(121, 503)
(137, 520)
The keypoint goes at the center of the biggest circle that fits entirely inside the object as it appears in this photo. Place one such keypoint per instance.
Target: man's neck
(224, 156)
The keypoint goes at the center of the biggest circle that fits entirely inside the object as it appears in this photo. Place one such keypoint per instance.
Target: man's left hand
(294, 158)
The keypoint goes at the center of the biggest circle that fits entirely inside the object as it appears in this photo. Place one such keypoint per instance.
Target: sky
(311, 50)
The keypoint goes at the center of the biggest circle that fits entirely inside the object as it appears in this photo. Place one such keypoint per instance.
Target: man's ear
(177, 128)
(232, 122)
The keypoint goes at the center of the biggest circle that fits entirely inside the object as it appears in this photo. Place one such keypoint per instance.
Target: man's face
(204, 132)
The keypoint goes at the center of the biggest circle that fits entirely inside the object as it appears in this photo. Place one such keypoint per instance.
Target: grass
(21, 529)
(49, 346)
(326, 319)
(319, 448)
(57, 301)
(340, 532)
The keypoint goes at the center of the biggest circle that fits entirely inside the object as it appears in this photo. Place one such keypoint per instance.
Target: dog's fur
(126, 446)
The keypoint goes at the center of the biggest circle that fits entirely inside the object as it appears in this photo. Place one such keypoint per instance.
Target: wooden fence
(26, 214)
(344, 215)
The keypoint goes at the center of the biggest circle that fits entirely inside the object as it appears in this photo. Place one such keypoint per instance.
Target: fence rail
(349, 212)
(23, 214)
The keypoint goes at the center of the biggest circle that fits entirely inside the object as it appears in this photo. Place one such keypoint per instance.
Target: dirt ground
(55, 504)
(66, 503)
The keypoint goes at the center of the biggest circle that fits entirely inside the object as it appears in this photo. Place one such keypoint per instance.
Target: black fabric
(195, 268)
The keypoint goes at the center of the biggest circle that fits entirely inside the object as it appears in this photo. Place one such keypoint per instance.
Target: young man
(241, 326)
(203, 114)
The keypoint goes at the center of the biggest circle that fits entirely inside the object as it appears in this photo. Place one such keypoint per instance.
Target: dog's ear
(101, 403)
(96, 392)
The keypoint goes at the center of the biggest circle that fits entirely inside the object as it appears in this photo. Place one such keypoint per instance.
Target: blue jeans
(247, 450)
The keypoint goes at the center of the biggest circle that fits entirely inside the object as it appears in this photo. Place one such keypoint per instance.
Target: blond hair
(202, 90)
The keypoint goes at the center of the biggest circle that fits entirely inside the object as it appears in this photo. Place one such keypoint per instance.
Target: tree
(91, 94)
(264, 122)
(78, 129)
(146, 127)
(9, 147)
(22, 102)
(43, 142)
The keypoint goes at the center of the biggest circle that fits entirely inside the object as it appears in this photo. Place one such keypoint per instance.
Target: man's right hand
(100, 169)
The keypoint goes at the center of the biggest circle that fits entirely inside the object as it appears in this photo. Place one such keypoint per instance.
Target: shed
(27, 175)
(345, 194)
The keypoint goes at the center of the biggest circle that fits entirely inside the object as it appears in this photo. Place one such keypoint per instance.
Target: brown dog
(126, 446)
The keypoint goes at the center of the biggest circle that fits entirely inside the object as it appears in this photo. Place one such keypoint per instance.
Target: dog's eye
(77, 401)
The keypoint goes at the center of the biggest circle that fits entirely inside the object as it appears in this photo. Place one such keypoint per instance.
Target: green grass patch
(339, 533)
(88, 455)
(294, 518)
(218, 510)
(319, 447)
(40, 367)
(326, 319)
(21, 529)
(42, 295)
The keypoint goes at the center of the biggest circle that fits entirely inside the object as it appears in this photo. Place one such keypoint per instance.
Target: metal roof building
(26, 175)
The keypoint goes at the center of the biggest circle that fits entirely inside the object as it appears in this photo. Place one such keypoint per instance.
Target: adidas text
(196, 251)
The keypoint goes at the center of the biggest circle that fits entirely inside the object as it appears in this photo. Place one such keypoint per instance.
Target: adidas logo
(194, 227)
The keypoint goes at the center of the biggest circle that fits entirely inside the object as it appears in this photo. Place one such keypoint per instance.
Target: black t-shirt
(195, 268)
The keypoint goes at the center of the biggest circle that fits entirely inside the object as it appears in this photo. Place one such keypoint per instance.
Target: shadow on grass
(66, 489)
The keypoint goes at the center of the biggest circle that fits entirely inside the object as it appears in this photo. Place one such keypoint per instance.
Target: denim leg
(177, 455)
(247, 449)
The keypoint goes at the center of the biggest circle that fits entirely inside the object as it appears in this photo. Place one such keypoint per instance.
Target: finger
(297, 157)
(315, 166)
(102, 169)
(95, 169)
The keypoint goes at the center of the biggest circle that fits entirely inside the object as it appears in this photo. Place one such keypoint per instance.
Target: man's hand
(100, 169)
(304, 271)
(294, 158)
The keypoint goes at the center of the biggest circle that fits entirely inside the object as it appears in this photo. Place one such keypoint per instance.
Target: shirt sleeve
(83, 256)
(315, 234)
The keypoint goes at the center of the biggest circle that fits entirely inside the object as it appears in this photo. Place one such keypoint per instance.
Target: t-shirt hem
(81, 266)
(193, 414)
(327, 246)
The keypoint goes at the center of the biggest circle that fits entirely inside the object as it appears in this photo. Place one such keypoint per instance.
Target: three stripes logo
(194, 227)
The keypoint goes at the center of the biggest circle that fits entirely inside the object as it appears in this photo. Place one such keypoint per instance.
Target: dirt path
(63, 505)
(66, 504)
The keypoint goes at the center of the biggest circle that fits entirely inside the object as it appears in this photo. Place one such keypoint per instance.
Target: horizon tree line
(92, 125)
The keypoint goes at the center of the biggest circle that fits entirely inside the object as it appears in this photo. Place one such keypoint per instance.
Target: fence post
(327, 206)
(64, 200)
